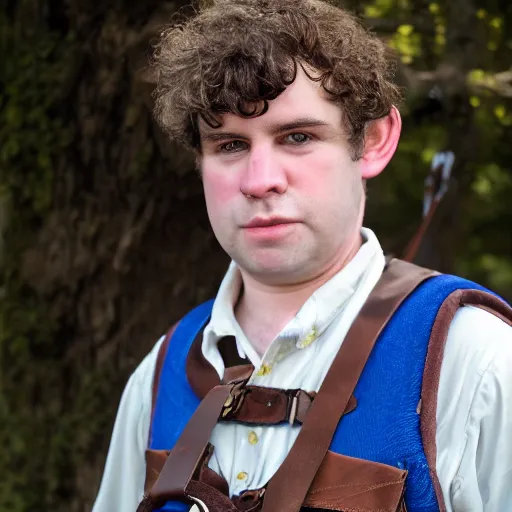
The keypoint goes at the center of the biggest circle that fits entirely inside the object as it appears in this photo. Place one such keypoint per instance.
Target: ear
(381, 141)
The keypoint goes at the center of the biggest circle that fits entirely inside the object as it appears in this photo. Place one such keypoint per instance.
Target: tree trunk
(120, 250)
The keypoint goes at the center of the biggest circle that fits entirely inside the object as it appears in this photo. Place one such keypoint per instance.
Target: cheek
(219, 190)
(326, 175)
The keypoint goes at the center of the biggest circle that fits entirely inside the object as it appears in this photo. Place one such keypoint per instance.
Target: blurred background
(104, 236)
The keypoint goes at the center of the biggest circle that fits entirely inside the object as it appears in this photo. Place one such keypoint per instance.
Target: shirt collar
(312, 319)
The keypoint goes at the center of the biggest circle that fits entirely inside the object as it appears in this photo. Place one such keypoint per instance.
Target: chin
(274, 264)
(274, 272)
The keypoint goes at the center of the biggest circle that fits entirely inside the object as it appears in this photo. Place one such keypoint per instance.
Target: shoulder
(478, 349)
(137, 393)
(134, 412)
(473, 410)
(475, 321)
(471, 325)
(475, 332)
(135, 406)
(143, 374)
(123, 478)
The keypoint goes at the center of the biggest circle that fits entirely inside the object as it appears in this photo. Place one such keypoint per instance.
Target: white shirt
(474, 410)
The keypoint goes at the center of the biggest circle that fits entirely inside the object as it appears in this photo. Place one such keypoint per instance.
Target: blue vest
(385, 426)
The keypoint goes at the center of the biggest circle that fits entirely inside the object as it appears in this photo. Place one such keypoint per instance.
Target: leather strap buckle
(292, 408)
(235, 399)
(299, 402)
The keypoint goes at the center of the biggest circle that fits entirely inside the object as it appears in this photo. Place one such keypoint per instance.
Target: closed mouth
(264, 223)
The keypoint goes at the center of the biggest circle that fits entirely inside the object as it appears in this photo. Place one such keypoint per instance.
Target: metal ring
(199, 505)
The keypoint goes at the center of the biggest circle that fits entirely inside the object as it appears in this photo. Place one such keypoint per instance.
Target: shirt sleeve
(122, 484)
(475, 414)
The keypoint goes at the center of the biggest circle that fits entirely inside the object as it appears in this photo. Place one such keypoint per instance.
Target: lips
(265, 223)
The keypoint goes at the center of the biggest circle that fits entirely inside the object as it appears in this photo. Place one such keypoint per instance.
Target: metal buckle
(293, 404)
(293, 409)
(235, 399)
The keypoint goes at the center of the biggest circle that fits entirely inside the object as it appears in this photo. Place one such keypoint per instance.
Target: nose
(263, 174)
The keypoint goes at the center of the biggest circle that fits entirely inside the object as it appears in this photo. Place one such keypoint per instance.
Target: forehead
(303, 99)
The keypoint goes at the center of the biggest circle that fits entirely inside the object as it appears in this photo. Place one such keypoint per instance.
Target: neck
(264, 310)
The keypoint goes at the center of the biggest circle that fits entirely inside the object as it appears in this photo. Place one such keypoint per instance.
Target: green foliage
(407, 43)
(487, 208)
(378, 8)
(484, 219)
(440, 27)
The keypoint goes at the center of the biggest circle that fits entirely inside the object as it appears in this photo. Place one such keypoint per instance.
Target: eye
(233, 147)
(297, 138)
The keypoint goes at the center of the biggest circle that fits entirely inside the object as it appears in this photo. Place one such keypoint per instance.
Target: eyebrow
(303, 122)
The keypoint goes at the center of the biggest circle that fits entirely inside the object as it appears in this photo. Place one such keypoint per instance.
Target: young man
(289, 106)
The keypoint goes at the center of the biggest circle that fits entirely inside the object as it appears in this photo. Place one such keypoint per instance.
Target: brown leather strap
(184, 458)
(252, 407)
(288, 488)
(258, 405)
(155, 460)
(201, 375)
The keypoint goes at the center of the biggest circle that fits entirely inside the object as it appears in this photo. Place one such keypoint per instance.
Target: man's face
(284, 197)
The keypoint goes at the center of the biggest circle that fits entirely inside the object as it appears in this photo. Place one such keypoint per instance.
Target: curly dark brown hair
(236, 55)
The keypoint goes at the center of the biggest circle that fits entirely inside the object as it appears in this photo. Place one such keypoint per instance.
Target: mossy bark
(106, 239)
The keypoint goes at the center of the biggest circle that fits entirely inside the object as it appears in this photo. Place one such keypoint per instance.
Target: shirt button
(264, 370)
(310, 338)
(242, 475)
(253, 438)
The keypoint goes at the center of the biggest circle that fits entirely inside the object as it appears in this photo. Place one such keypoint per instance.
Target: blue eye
(298, 138)
(233, 147)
